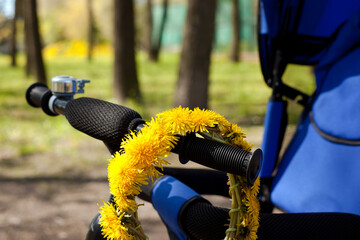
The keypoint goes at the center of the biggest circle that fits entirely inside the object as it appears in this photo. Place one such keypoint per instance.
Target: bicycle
(185, 213)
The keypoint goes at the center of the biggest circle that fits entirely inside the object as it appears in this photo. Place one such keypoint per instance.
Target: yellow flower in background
(75, 48)
(51, 51)
(103, 49)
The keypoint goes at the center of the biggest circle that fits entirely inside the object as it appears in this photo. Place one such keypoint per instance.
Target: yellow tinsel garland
(143, 151)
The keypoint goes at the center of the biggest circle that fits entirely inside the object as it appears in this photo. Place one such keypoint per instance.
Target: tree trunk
(126, 83)
(30, 65)
(193, 80)
(234, 53)
(156, 37)
(148, 27)
(91, 30)
(35, 64)
(13, 45)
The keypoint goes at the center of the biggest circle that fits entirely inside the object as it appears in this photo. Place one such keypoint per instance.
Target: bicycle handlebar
(102, 120)
(199, 219)
(183, 209)
(38, 95)
(220, 156)
(202, 220)
(110, 122)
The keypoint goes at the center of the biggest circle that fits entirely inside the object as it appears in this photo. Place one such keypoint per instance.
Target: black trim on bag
(330, 137)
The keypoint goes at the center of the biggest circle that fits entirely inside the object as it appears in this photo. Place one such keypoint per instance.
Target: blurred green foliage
(236, 91)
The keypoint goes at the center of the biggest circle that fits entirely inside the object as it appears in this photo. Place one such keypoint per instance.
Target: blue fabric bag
(320, 169)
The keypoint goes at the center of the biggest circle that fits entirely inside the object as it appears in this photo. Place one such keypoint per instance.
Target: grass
(237, 91)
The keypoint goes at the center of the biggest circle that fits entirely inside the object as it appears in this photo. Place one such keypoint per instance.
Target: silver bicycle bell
(66, 86)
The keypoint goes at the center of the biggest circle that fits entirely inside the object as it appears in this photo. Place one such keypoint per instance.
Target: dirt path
(44, 197)
(45, 209)
(39, 209)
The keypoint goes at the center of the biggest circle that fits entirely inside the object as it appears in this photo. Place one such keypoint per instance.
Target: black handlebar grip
(99, 119)
(222, 157)
(38, 95)
(201, 220)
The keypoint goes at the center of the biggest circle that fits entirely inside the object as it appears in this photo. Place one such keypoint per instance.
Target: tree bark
(126, 84)
(91, 30)
(193, 80)
(30, 65)
(148, 26)
(35, 64)
(13, 44)
(156, 37)
(234, 52)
